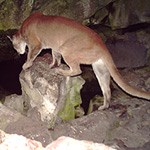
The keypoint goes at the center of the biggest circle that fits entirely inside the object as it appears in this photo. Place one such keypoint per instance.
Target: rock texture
(127, 51)
(125, 13)
(121, 123)
(14, 122)
(125, 123)
(13, 13)
(47, 92)
(18, 142)
(45, 95)
(117, 14)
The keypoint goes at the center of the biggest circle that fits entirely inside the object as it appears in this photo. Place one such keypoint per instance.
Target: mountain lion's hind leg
(103, 77)
(73, 71)
(74, 67)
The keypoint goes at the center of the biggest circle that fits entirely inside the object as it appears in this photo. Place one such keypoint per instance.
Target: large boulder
(47, 92)
(126, 13)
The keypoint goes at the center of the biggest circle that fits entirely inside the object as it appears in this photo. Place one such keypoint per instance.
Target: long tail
(120, 81)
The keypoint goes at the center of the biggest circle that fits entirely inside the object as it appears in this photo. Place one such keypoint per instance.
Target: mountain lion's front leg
(32, 54)
(56, 59)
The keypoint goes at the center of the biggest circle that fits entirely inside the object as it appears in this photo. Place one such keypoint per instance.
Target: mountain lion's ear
(10, 38)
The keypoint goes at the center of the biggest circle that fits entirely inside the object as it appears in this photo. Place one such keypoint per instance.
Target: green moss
(73, 100)
(95, 102)
(68, 112)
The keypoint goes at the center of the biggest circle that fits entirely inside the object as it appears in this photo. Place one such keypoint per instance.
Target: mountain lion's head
(18, 43)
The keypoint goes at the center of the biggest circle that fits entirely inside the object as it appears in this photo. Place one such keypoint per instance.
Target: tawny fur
(77, 44)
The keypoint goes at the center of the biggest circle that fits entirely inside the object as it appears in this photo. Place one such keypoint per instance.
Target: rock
(12, 121)
(102, 13)
(126, 121)
(121, 122)
(147, 83)
(14, 11)
(8, 116)
(117, 14)
(144, 37)
(126, 13)
(99, 16)
(14, 102)
(78, 10)
(68, 143)
(47, 92)
(43, 89)
(44, 94)
(19, 142)
(93, 127)
(73, 99)
(127, 52)
(30, 127)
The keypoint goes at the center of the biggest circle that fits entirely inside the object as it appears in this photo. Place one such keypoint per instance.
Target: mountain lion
(77, 44)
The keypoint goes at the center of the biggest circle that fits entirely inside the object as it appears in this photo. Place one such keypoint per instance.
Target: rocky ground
(125, 123)
(127, 120)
